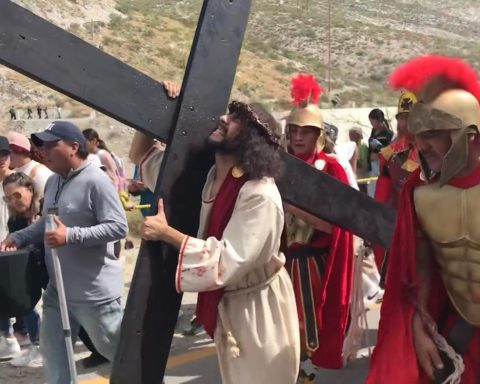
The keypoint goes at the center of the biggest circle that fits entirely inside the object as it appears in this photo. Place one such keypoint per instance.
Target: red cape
(222, 209)
(335, 285)
(385, 185)
(383, 188)
(394, 360)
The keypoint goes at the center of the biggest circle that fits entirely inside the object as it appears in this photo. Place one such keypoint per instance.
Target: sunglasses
(13, 196)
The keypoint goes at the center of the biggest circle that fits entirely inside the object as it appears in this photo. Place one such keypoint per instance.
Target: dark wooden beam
(153, 302)
(48, 54)
(91, 76)
(338, 203)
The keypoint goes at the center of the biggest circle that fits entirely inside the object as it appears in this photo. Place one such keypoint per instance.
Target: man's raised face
(228, 128)
(434, 146)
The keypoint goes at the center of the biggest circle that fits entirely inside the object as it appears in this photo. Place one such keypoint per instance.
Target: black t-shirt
(378, 141)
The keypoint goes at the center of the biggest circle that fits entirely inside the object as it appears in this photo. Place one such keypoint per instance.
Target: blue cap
(4, 145)
(59, 130)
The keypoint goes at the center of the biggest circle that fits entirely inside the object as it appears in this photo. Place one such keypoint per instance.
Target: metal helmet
(406, 101)
(448, 93)
(305, 93)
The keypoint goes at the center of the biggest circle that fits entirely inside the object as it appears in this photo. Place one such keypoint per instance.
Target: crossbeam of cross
(64, 62)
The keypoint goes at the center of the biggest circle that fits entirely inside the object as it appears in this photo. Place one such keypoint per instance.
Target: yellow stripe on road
(173, 362)
(186, 358)
(97, 380)
(366, 180)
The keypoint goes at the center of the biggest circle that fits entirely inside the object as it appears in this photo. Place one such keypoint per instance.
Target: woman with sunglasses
(24, 206)
(21, 160)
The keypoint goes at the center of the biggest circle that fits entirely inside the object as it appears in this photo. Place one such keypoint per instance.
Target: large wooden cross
(62, 61)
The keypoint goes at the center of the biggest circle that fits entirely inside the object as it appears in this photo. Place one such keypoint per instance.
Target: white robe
(258, 307)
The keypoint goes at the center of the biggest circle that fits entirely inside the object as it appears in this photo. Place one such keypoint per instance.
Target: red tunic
(321, 272)
(394, 359)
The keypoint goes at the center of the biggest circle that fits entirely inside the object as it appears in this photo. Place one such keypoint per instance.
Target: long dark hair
(377, 114)
(91, 134)
(257, 156)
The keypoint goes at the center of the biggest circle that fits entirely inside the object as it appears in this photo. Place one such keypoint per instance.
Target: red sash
(222, 209)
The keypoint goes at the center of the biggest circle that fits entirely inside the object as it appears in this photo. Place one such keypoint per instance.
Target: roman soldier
(397, 161)
(430, 319)
(319, 255)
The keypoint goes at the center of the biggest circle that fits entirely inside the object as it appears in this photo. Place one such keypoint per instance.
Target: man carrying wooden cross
(430, 320)
(246, 301)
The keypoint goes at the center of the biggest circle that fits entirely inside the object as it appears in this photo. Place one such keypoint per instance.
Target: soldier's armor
(299, 231)
(450, 217)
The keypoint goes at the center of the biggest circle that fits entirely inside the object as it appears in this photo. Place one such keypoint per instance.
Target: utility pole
(93, 32)
(329, 39)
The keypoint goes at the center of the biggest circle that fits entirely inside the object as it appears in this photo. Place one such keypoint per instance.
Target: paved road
(199, 364)
(192, 359)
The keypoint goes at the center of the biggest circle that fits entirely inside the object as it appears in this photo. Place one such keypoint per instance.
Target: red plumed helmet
(416, 74)
(305, 89)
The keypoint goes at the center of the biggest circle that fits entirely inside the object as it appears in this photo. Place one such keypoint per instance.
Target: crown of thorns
(246, 113)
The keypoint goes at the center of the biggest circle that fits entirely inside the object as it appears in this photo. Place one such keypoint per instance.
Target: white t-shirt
(38, 172)
(150, 167)
(344, 153)
(4, 215)
(95, 160)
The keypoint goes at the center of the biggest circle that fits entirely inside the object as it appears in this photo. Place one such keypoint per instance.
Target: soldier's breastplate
(450, 217)
(298, 231)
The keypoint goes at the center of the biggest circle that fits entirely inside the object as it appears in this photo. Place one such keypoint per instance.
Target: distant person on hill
(39, 111)
(45, 110)
(13, 113)
(29, 113)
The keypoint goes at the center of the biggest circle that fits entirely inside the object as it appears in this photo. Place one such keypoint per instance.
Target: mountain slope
(367, 38)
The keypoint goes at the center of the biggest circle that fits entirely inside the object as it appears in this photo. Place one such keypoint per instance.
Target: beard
(227, 146)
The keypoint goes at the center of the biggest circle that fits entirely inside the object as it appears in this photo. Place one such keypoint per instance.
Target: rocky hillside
(367, 39)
